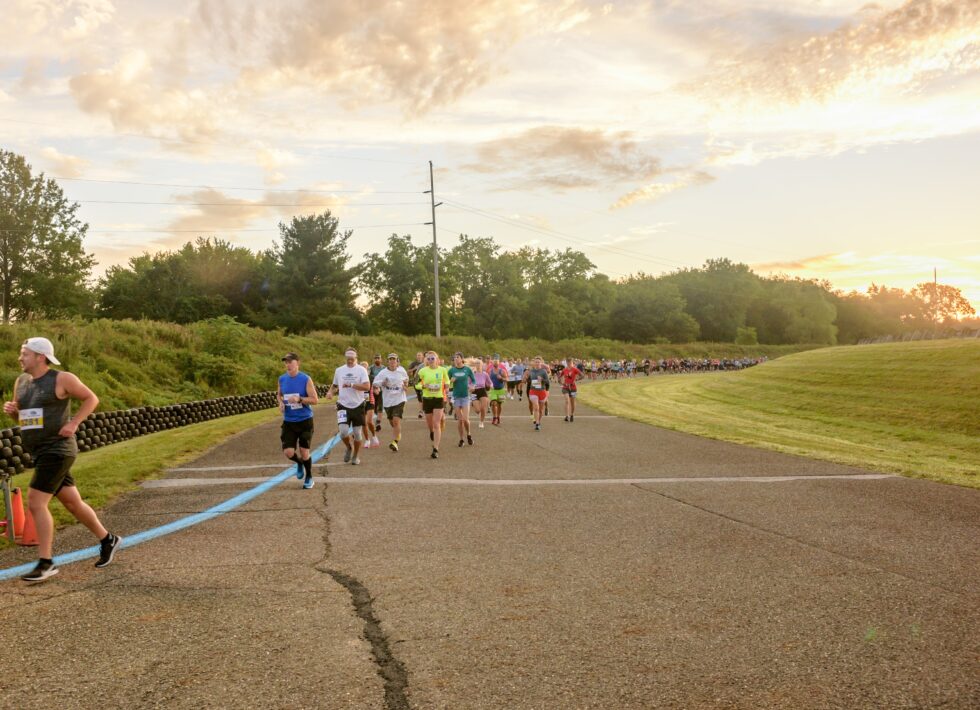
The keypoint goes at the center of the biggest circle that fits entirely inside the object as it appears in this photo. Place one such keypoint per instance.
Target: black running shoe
(571, 418)
(461, 442)
(566, 419)
(435, 453)
(537, 427)
(469, 440)
(347, 456)
(41, 572)
(107, 550)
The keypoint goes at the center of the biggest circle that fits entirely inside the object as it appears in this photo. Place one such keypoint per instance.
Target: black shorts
(378, 403)
(480, 392)
(354, 415)
(52, 472)
(397, 410)
(430, 404)
(570, 391)
(511, 384)
(418, 395)
(296, 433)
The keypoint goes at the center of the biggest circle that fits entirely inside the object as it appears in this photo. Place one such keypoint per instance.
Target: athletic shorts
(52, 472)
(293, 433)
(351, 416)
(378, 403)
(397, 410)
(431, 404)
(542, 395)
(480, 392)
(570, 391)
(498, 395)
(460, 402)
(418, 395)
(511, 384)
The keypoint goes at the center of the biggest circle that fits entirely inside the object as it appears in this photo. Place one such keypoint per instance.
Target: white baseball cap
(42, 346)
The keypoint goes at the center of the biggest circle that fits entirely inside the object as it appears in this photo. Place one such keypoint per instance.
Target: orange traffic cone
(17, 503)
(29, 537)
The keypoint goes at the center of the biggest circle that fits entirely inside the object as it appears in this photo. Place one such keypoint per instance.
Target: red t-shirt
(569, 375)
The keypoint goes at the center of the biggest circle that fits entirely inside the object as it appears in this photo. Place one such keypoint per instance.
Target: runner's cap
(391, 356)
(377, 355)
(350, 352)
(290, 356)
(457, 355)
(42, 346)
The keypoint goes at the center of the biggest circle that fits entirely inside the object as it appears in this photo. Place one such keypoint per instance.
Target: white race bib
(32, 418)
(535, 384)
(341, 416)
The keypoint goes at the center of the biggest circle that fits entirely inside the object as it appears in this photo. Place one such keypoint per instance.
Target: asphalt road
(594, 564)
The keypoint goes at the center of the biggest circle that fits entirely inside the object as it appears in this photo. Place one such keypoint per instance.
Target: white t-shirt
(344, 377)
(392, 384)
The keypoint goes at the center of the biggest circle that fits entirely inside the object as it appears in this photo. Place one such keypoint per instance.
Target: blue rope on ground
(182, 523)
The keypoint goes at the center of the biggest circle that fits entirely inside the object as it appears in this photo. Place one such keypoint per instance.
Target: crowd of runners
(471, 390)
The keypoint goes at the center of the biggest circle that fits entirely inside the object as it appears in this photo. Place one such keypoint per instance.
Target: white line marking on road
(242, 468)
(189, 482)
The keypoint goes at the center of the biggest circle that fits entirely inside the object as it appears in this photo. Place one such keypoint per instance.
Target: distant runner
(569, 388)
(498, 380)
(432, 379)
(537, 389)
(481, 391)
(296, 395)
(391, 383)
(376, 367)
(351, 382)
(462, 379)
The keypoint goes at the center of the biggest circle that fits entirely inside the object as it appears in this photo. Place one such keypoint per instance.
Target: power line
(179, 203)
(236, 187)
(215, 231)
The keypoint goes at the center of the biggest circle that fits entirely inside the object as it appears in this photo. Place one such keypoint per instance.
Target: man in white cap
(41, 404)
(350, 381)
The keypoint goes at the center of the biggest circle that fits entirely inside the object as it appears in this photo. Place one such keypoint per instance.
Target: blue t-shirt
(516, 372)
(294, 411)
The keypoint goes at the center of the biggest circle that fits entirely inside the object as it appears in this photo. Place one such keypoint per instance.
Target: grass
(907, 408)
(107, 472)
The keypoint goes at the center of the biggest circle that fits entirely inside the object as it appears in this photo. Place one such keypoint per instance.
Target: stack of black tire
(104, 428)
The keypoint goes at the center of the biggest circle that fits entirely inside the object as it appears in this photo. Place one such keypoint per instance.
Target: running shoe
(461, 442)
(537, 427)
(469, 440)
(356, 462)
(308, 483)
(435, 453)
(375, 444)
(107, 550)
(41, 572)
(300, 471)
(566, 418)
(481, 425)
(393, 446)
(347, 456)
(571, 418)
(421, 415)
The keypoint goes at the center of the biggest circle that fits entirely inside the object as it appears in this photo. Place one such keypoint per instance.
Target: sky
(829, 139)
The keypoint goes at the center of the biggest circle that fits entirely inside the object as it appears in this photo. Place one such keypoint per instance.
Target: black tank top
(42, 415)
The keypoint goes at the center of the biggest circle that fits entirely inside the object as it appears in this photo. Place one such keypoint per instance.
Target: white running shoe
(481, 425)
(375, 444)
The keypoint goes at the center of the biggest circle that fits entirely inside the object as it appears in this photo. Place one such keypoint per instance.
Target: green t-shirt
(433, 380)
(461, 378)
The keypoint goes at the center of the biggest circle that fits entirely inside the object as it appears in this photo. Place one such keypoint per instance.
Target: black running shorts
(295, 434)
(52, 472)
(354, 416)
(397, 410)
(431, 404)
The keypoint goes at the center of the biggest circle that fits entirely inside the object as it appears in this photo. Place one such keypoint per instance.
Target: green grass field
(105, 473)
(908, 408)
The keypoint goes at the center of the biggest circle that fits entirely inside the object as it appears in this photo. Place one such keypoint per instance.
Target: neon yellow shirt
(433, 381)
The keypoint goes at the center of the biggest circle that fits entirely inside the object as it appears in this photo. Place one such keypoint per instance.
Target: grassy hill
(909, 408)
(137, 363)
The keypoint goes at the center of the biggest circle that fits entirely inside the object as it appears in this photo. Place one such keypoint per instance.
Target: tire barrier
(104, 428)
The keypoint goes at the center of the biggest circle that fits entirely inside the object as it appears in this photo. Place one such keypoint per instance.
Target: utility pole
(435, 245)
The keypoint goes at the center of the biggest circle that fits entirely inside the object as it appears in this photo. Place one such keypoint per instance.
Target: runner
(432, 379)
(569, 388)
(391, 383)
(413, 369)
(462, 379)
(370, 431)
(42, 405)
(481, 389)
(514, 381)
(537, 392)
(296, 394)
(350, 381)
(373, 371)
(498, 380)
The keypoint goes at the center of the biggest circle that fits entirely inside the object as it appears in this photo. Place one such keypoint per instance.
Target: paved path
(600, 564)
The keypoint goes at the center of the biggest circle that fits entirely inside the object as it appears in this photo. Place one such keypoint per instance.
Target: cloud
(810, 262)
(210, 211)
(271, 160)
(882, 51)
(69, 166)
(658, 190)
(566, 158)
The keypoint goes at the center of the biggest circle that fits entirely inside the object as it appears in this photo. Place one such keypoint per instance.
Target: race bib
(341, 416)
(434, 388)
(295, 405)
(535, 384)
(32, 418)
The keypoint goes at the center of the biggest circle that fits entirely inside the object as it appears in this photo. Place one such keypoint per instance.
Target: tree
(311, 285)
(649, 309)
(44, 268)
(718, 296)
(793, 311)
(942, 304)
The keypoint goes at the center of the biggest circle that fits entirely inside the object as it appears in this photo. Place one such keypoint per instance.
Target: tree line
(306, 282)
